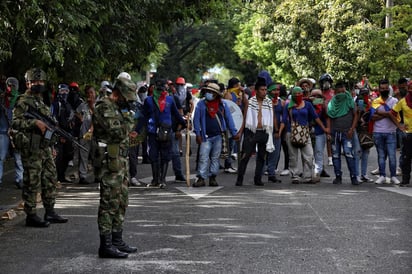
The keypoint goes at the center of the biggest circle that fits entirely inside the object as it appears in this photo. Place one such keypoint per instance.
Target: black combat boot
(107, 250)
(35, 221)
(117, 242)
(53, 217)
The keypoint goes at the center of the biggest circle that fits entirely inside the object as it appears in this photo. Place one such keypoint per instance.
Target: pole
(187, 157)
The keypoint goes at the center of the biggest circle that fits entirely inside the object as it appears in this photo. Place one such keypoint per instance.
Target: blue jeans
(340, 140)
(273, 157)
(320, 141)
(361, 155)
(175, 155)
(209, 149)
(4, 148)
(385, 144)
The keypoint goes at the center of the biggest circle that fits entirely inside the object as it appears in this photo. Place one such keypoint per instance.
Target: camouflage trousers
(39, 176)
(114, 197)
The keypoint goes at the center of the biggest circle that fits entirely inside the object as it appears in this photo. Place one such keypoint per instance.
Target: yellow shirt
(407, 114)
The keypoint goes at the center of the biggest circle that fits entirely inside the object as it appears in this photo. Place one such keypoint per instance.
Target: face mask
(403, 92)
(317, 101)
(181, 89)
(340, 97)
(326, 86)
(209, 96)
(142, 96)
(37, 89)
(384, 93)
(299, 99)
(62, 97)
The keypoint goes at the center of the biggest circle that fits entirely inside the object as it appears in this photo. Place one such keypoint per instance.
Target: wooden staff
(187, 157)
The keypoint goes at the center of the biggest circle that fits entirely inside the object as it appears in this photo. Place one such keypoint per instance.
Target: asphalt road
(278, 228)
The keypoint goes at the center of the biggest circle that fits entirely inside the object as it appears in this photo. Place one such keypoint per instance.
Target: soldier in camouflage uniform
(36, 152)
(113, 124)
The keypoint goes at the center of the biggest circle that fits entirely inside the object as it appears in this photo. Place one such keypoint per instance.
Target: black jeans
(250, 140)
(406, 157)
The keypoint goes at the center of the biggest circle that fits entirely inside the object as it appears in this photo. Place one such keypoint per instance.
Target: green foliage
(300, 38)
(87, 40)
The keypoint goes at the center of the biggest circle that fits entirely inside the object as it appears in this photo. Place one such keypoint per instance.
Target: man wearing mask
(7, 102)
(113, 124)
(405, 106)
(325, 82)
(342, 121)
(384, 132)
(64, 115)
(158, 111)
(36, 152)
(212, 116)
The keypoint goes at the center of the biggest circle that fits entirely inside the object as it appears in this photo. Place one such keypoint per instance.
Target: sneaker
(83, 181)
(230, 170)
(273, 179)
(295, 180)
(135, 182)
(375, 171)
(330, 162)
(180, 178)
(381, 180)
(284, 172)
(324, 174)
(337, 180)
(316, 178)
(199, 182)
(404, 184)
(366, 179)
(234, 156)
(395, 181)
(71, 163)
(398, 171)
(356, 181)
(212, 181)
(266, 173)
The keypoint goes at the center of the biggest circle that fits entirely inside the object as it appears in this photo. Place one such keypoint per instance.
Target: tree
(85, 40)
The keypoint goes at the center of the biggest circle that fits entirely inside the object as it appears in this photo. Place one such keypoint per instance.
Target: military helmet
(35, 74)
(127, 88)
(326, 78)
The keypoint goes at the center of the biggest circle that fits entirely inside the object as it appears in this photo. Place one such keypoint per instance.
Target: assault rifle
(52, 127)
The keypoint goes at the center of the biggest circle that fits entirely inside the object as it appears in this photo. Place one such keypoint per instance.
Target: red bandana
(162, 101)
(213, 107)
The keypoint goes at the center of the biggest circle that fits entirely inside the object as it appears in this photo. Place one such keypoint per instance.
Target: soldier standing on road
(36, 151)
(113, 124)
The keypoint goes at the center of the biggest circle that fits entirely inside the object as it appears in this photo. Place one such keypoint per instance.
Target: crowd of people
(312, 122)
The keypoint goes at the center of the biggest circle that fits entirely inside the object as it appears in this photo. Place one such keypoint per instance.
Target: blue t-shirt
(212, 127)
(302, 116)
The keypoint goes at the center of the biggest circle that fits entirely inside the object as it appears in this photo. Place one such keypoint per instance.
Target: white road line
(404, 191)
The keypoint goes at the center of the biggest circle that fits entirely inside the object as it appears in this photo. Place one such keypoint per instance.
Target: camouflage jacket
(111, 125)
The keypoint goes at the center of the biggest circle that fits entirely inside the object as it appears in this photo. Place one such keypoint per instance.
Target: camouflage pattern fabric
(112, 127)
(36, 153)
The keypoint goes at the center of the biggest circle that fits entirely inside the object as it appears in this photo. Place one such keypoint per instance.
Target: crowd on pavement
(314, 123)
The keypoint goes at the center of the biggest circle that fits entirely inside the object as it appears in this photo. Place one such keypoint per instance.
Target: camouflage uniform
(39, 167)
(112, 127)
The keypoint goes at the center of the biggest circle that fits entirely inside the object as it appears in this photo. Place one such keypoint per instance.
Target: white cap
(124, 75)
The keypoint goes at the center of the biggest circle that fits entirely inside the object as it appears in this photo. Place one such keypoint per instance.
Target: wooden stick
(189, 115)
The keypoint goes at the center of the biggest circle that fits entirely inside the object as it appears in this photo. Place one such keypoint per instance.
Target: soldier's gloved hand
(88, 135)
